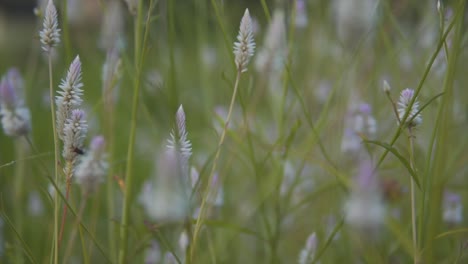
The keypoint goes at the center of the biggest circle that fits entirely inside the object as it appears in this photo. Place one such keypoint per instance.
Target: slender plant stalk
(203, 205)
(110, 132)
(68, 176)
(76, 226)
(20, 154)
(56, 160)
(128, 173)
(413, 199)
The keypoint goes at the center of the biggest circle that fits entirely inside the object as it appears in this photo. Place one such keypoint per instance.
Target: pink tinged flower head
(245, 46)
(75, 131)
(413, 119)
(307, 254)
(16, 118)
(50, 33)
(366, 179)
(69, 97)
(93, 167)
(8, 98)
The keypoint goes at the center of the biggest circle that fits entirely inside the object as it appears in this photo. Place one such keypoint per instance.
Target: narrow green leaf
(451, 232)
(424, 106)
(233, 227)
(23, 243)
(399, 156)
(400, 236)
(329, 240)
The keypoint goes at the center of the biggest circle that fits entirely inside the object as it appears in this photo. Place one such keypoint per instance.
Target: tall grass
(269, 141)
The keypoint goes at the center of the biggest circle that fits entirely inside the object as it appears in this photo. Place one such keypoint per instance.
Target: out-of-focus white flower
(359, 122)
(15, 117)
(307, 254)
(301, 14)
(354, 19)
(165, 197)
(272, 55)
(153, 253)
(35, 204)
(93, 166)
(112, 31)
(452, 209)
(364, 209)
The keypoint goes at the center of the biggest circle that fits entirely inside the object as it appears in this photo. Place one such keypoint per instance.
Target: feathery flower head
(245, 46)
(74, 134)
(93, 167)
(16, 118)
(50, 34)
(179, 141)
(307, 254)
(413, 120)
(69, 97)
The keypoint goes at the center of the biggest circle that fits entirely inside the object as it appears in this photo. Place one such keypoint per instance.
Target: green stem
(19, 193)
(56, 160)
(413, 199)
(110, 134)
(76, 226)
(131, 144)
(68, 177)
(203, 205)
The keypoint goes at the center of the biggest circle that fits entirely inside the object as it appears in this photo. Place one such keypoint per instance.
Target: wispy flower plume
(93, 167)
(50, 34)
(69, 97)
(245, 46)
(16, 118)
(413, 120)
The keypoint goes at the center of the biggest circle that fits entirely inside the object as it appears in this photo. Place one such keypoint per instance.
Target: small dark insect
(78, 151)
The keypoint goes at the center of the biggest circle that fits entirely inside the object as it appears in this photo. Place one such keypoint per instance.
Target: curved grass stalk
(56, 160)
(203, 205)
